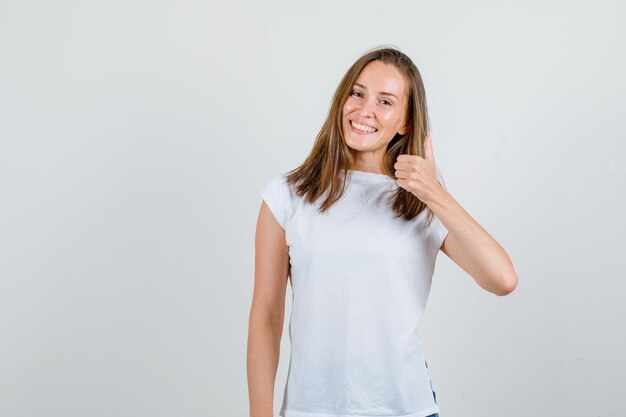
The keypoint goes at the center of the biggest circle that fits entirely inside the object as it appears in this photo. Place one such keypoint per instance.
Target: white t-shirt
(360, 278)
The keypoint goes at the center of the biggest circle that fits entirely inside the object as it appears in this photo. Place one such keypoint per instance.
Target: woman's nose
(367, 109)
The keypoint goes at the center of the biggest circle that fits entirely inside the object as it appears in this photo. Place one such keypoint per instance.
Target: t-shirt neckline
(369, 176)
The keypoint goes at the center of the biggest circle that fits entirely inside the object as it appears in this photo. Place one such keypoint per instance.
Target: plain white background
(135, 137)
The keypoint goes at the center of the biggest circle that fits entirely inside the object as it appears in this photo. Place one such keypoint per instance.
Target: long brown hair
(326, 166)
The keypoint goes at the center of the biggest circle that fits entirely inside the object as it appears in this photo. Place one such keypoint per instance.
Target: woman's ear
(403, 130)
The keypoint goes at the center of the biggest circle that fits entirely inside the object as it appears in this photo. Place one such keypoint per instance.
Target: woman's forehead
(379, 77)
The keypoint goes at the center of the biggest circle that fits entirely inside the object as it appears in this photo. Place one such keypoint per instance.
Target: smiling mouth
(362, 128)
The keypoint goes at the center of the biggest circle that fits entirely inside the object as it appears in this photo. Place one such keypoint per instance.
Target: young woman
(357, 228)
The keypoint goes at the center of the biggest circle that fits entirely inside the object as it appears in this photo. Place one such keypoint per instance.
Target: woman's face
(377, 104)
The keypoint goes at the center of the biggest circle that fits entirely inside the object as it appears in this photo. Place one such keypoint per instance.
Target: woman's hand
(417, 174)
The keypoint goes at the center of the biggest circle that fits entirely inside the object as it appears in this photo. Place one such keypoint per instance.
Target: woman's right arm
(265, 327)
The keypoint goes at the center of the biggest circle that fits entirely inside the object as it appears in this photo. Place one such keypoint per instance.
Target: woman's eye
(359, 94)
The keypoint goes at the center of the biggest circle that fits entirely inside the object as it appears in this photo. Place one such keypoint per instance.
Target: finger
(402, 165)
(402, 175)
(428, 147)
(407, 158)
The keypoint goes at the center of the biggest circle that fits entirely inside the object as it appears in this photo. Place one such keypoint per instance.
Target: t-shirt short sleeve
(440, 232)
(279, 198)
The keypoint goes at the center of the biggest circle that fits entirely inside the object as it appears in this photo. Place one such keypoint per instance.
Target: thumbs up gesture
(417, 174)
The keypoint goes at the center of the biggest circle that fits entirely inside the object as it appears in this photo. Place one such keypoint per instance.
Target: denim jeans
(434, 395)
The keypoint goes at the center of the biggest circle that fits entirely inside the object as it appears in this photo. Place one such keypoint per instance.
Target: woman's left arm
(471, 247)
(468, 244)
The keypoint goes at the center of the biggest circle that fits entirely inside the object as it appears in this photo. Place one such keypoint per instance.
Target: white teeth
(362, 127)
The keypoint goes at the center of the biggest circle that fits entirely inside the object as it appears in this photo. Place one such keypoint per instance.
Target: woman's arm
(471, 247)
(467, 243)
(265, 328)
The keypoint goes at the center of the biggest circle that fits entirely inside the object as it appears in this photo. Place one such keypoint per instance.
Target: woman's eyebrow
(382, 92)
